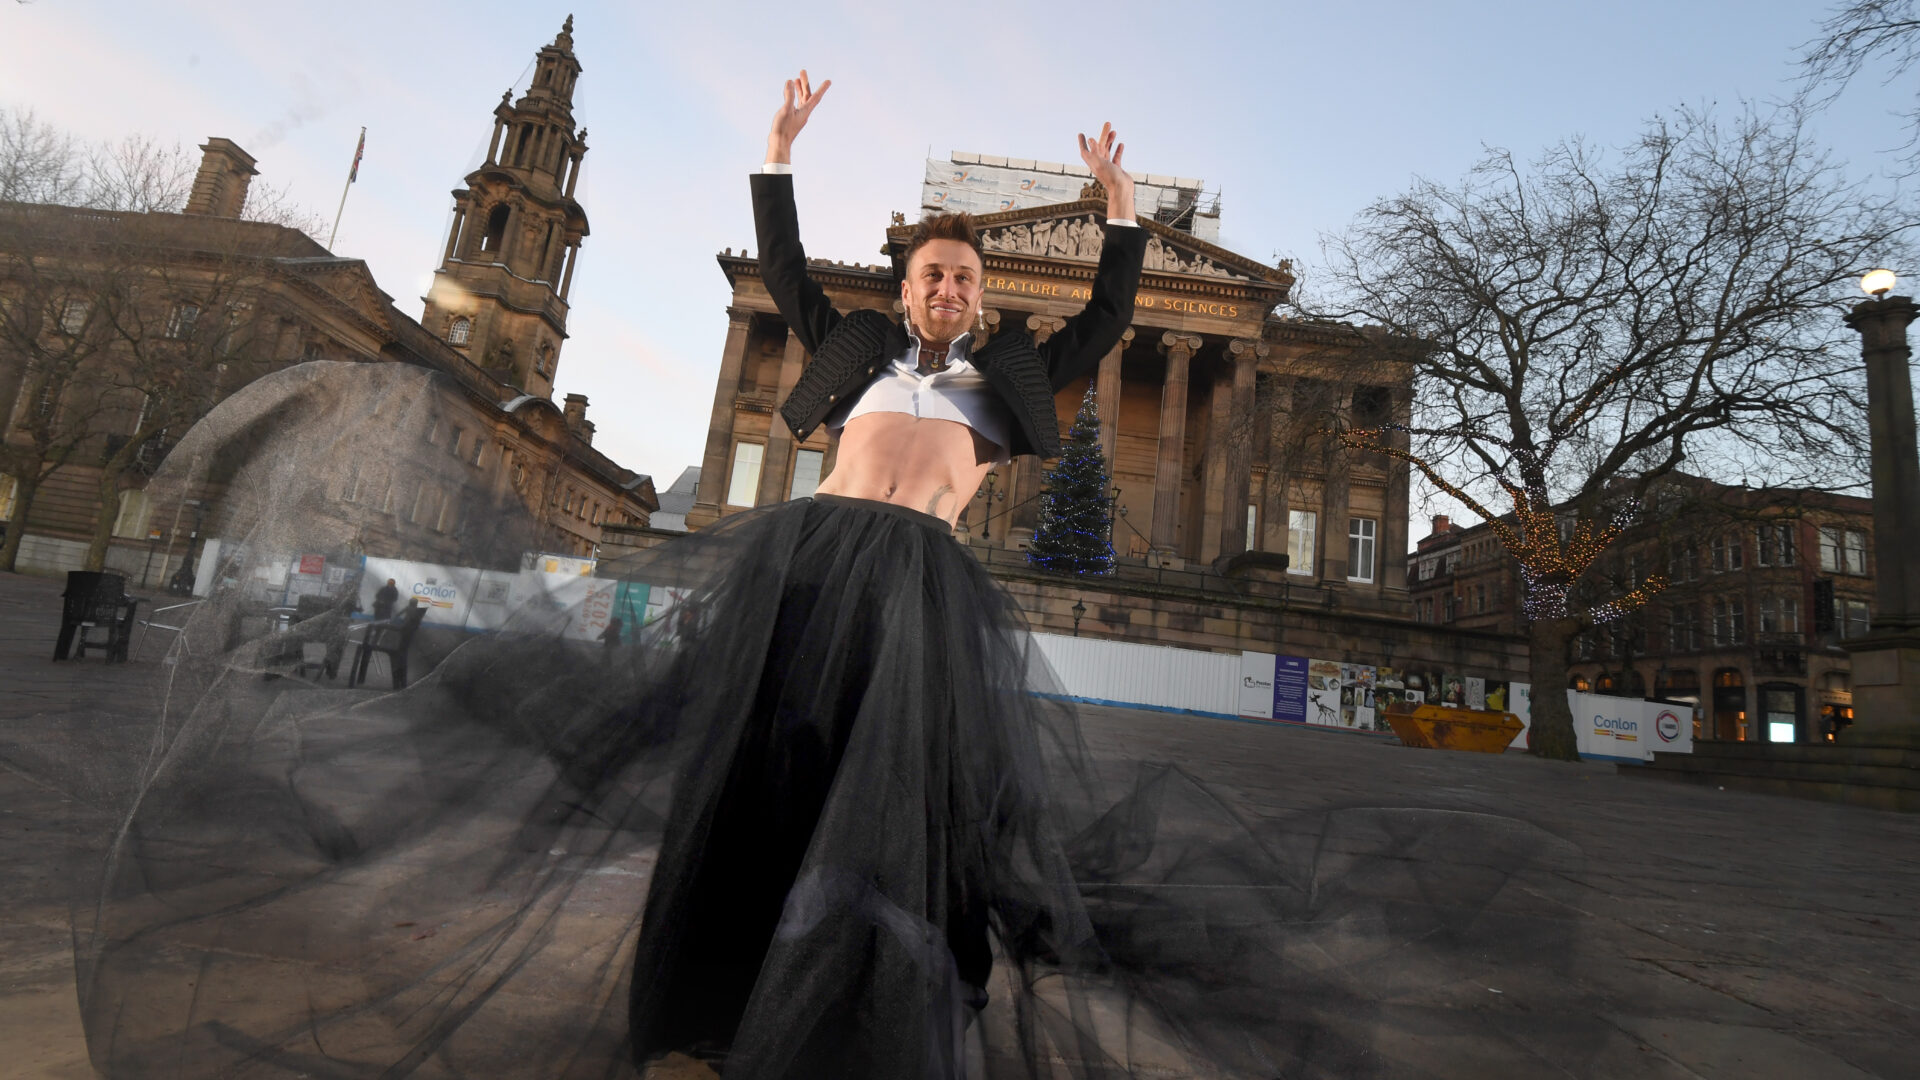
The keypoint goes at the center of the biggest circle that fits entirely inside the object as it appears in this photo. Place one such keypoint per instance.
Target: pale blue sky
(1300, 114)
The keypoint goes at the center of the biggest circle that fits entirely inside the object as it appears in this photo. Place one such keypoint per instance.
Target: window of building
(1479, 599)
(1360, 540)
(1683, 628)
(1774, 545)
(180, 322)
(73, 317)
(479, 450)
(1851, 618)
(1301, 527)
(454, 440)
(1253, 527)
(350, 491)
(1682, 561)
(544, 365)
(566, 504)
(806, 473)
(460, 332)
(1843, 551)
(1372, 406)
(1729, 620)
(444, 520)
(1779, 615)
(745, 482)
(1727, 554)
(422, 504)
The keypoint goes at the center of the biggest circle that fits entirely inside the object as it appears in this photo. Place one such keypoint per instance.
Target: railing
(1138, 572)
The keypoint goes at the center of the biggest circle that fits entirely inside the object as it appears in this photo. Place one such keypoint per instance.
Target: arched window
(496, 229)
(520, 149)
(1580, 683)
(460, 331)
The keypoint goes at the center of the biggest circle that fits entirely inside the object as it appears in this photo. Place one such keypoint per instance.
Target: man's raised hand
(795, 107)
(1102, 157)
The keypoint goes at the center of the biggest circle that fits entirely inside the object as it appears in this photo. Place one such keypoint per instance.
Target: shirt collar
(957, 351)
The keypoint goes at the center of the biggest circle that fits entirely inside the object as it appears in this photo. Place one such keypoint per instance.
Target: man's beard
(934, 326)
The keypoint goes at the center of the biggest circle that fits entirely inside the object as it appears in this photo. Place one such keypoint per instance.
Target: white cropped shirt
(958, 393)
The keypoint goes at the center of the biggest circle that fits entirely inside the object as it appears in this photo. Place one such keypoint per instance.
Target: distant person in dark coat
(384, 600)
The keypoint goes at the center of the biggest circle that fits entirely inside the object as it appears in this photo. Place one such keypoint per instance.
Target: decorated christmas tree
(1074, 535)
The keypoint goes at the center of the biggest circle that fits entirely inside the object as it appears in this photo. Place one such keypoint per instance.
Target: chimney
(220, 188)
(577, 422)
(1441, 523)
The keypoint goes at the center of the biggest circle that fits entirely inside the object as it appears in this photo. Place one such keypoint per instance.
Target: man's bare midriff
(933, 466)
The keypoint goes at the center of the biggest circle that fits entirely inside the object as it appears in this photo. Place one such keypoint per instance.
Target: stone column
(573, 257)
(1213, 466)
(573, 174)
(493, 148)
(1027, 471)
(1170, 462)
(1332, 540)
(776, 470)
(712, 492)
(1886, 663)
(1106, 392)
(1391, 553)
(453, 235)
(1247, 354)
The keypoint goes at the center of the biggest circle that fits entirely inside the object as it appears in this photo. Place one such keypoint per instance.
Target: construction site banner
(1628, 729)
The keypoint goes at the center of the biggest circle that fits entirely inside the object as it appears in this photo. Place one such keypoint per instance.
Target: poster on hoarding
(1357, 695)
(1273, 687)
(1256, 684)
(1323, 692)
(1476, 692)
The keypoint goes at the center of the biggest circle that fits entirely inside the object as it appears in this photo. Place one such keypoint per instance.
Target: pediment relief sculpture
(1080, 238)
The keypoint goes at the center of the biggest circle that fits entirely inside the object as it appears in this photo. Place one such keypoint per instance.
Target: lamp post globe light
(1886, 663)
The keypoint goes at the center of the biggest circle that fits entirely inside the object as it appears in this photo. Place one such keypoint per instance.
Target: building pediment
(1074, 232)
(347, 281)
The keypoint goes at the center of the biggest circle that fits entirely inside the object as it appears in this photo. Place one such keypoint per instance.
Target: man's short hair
(959, 227)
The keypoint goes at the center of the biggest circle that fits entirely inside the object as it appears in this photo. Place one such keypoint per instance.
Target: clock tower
(500, 294)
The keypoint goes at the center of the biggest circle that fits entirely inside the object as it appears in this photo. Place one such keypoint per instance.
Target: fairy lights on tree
(1076, 509)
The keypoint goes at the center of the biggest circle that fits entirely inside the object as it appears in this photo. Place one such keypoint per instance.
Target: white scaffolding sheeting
(988, 184)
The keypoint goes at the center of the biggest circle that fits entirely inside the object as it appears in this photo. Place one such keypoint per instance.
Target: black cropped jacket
(850, 350)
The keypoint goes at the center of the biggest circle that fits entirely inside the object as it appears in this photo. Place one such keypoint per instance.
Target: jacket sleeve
(783, 262)
(1076, 348)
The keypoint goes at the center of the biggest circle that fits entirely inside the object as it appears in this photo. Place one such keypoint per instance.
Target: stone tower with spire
(500, 294)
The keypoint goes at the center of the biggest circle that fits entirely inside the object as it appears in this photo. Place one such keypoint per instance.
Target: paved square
(1728, 934)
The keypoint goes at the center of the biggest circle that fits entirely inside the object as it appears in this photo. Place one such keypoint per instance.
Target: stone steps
(1881, 777)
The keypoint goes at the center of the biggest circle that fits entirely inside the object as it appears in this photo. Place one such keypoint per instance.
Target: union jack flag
(358, 151)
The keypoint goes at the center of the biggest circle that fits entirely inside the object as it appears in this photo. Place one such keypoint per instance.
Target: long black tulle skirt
(824, 815)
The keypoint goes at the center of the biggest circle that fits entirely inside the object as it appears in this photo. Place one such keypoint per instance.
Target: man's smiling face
(942, 290)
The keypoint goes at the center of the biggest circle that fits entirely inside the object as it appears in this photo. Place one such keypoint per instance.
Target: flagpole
(352, 173)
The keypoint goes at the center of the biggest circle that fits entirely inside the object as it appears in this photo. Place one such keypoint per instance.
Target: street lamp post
(1886, 663)
(986, 520)
(1079, 609)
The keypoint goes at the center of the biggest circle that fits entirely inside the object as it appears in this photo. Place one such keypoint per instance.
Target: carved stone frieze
(1080, 238)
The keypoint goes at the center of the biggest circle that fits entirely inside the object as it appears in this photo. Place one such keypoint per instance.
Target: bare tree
(109, 338)
(55, 326)
(1858, 34)
(39, 163)
(1581, 327)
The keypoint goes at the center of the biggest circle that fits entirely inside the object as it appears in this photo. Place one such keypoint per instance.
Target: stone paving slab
(1732, 934)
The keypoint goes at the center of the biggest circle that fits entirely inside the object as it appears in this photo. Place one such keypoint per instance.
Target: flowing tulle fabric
(825, 816)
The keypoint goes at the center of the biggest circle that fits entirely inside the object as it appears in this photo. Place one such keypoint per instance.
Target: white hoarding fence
(1154, 676)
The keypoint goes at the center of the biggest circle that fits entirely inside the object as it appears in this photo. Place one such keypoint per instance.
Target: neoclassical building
(1216, 413)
